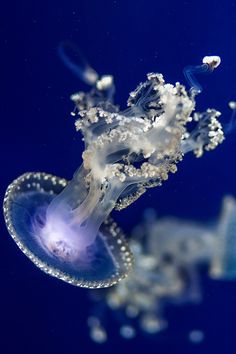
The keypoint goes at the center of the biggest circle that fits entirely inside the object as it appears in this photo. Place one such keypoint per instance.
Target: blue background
(39, 314)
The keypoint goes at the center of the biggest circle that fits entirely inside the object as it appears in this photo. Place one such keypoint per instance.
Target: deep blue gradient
(40, 314)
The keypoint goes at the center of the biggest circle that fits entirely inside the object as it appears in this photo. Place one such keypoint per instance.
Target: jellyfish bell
(54, 246)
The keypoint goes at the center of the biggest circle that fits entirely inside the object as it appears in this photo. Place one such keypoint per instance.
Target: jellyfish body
(170, 255)
(125, 153)
(52, 246)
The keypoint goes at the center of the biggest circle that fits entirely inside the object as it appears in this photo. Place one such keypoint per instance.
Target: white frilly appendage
(128, 151)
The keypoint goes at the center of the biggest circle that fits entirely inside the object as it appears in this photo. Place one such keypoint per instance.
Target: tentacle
(231, 125)
(71, 56)
(209, 63)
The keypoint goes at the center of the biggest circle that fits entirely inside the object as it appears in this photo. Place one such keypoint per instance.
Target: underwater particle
(97, 332)
(67, 231)
(150, 323)
(232, 104)
(98, 335)
(55, 250)
(131, 311)
(127, 332)
(196, 336)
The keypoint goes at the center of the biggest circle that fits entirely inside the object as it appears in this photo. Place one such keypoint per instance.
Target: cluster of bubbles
(169, 255)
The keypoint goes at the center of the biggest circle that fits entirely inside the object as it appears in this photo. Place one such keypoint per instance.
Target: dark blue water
(39, 314)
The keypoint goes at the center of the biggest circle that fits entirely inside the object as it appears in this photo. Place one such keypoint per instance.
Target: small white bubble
(98, 334)
(232, 104)
(196, 336)
(152, 324)
(127, 332)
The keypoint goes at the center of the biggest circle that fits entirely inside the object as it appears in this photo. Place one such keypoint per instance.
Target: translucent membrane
(224, 256)
(103, 263)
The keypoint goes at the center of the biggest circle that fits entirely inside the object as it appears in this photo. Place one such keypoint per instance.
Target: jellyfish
(65, 227)
(170, 255)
